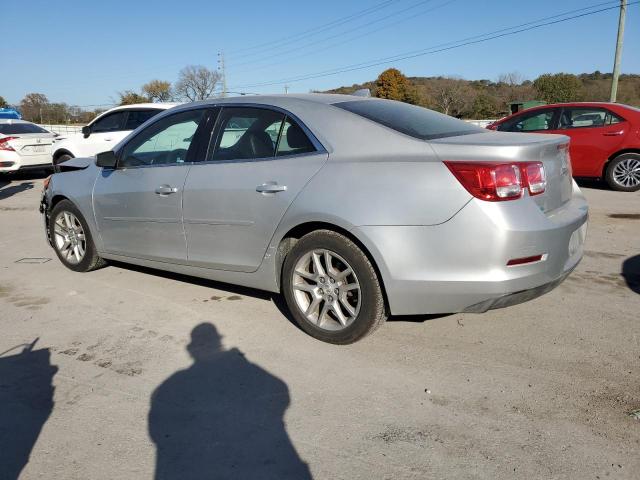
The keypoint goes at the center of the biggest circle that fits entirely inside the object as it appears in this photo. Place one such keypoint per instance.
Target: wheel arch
(61, 151)
(295, 233)
(615, 155)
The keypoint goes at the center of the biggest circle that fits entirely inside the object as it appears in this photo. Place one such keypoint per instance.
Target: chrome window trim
(261, 159)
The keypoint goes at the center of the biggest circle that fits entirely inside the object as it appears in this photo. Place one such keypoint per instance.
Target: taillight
(535, 177)
(495, 182)
(4, 144)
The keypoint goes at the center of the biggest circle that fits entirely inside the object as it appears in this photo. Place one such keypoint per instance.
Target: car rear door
(138, 205)
(595, 134)
(259, 160)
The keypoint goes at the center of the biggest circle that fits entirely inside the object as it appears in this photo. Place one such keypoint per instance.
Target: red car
(605, 138)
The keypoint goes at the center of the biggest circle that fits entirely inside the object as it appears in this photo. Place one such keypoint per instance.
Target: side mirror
(106, 159)
(86, 131)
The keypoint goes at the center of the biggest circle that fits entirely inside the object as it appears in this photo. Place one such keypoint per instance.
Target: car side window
(166, 141)
(293, 140)
(135, 118)
(530, 122)
(247, 133)
(587, 117)
(111, 122)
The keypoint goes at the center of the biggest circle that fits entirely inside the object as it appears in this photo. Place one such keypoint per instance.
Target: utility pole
(223, 73)
(616, 62)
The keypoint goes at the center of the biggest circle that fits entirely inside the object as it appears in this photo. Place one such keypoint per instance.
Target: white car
(24, 145)
(105, 131)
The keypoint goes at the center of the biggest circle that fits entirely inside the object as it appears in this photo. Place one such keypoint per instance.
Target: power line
(349, 39)
(431, 50)
(359, 27)
(313, 31)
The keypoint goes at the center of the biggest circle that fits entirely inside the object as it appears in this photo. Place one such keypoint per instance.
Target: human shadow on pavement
(631, 272)
(222, 418)
(26, 401)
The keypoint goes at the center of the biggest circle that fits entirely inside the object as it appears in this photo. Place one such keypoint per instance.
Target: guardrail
(480, 123)
(62, 129)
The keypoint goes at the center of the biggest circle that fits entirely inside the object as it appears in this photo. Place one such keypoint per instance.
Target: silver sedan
(354, 208)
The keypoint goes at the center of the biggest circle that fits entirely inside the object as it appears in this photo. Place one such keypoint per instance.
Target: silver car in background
(353, 208)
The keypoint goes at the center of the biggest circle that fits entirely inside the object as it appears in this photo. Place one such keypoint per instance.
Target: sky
(83, 53)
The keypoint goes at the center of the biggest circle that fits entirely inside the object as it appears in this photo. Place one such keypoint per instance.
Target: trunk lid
(489, 146)
(29, 144)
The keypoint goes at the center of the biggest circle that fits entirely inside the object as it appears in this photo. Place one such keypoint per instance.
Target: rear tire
(623, 173)
(72, 239)
(60, 159)
(332, 289)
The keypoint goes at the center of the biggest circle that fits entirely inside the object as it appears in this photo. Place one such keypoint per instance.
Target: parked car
(24, 145)
(105, 131)
(605, 138)
(353, 208)
(10, 113)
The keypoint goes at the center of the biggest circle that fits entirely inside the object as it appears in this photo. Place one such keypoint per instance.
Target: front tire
(623, 173)
(72, 239)
(332, 288)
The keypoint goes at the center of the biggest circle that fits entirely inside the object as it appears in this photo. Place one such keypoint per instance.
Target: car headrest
(296, 137)
(260, 144)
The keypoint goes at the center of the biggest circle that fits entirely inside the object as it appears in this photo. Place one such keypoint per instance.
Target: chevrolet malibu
(354, 208)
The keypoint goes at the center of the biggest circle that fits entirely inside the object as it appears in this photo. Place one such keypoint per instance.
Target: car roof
(280, 100)
(13, 120)
(579, 104)
(157, 106)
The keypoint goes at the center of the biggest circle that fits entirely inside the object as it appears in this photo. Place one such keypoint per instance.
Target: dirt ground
(128, 373)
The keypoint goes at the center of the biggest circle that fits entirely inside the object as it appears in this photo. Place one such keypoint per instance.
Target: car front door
(138, 205)
(259, 160)
(104, 134)
(596, 133)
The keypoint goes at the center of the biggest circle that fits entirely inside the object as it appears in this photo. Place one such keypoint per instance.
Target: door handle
(107, 139)
(270, 187)
(613, 134)
(166, 190)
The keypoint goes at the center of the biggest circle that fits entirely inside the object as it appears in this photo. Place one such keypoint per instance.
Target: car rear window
(411, 120)
(17, 128)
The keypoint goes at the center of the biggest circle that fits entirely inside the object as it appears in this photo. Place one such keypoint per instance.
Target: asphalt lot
(127, 377)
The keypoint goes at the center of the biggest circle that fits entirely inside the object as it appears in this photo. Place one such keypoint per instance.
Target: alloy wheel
(326, 290)
(70, 238)
(627, 173)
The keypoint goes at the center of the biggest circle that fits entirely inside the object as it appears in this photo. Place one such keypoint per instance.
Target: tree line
(195, 82)
(485, 99)
(479, 99)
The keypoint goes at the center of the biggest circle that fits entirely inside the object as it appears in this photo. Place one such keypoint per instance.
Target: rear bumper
(461, 265)
(11, 162)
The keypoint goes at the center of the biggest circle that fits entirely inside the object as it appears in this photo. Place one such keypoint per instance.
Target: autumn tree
(3, 103)
(196, 82)
(33, 105)
(129, 97)
(452, 96)
(157, 90)
(559, 87)
(392, 84)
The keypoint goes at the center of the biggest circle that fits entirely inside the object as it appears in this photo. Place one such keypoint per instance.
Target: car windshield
(17, 128)
(411, 120)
